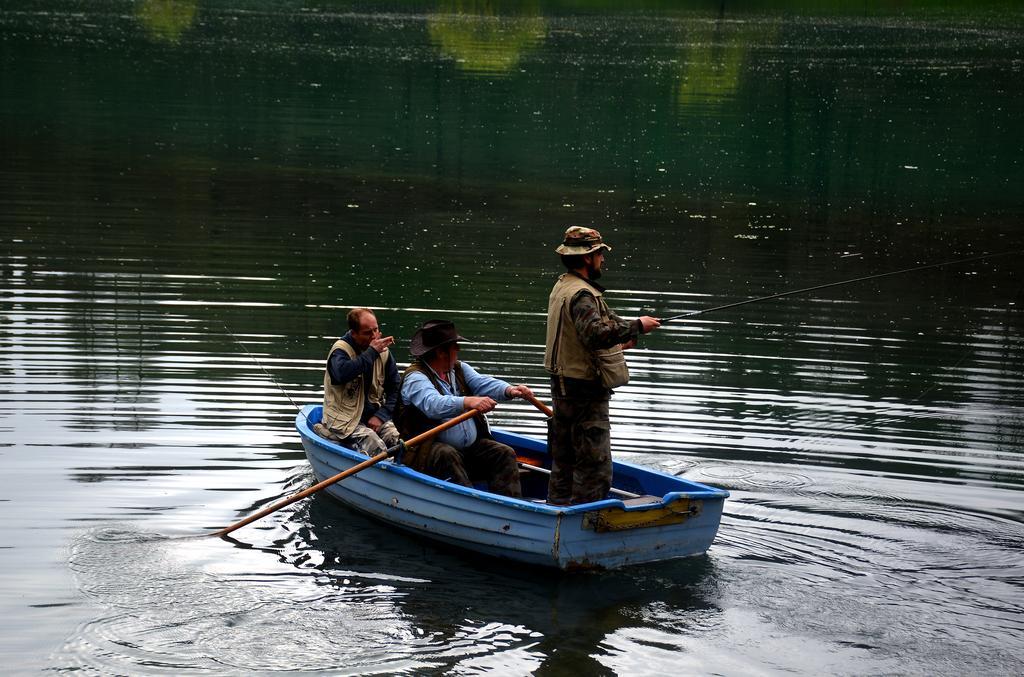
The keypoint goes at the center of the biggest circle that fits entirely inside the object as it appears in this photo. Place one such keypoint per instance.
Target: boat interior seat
(642, 500)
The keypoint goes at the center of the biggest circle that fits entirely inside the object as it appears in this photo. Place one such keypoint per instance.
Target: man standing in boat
(360, 387)
(436, 387)
(583, 354)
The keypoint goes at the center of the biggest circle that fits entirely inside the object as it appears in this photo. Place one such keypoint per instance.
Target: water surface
(192, 194)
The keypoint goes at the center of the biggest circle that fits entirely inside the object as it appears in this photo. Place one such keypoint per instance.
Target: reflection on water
(714, 60)
(481, 41)
(193, 194)
(167, 20)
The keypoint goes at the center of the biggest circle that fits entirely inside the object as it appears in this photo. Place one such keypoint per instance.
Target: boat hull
(612, 533)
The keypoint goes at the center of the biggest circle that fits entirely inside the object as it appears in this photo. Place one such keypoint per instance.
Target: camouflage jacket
(594, 332)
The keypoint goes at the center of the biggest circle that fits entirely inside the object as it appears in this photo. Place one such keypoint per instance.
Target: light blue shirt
(418, 391)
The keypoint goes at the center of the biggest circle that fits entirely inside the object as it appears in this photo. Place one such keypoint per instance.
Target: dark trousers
(581, 451)
(486, 460)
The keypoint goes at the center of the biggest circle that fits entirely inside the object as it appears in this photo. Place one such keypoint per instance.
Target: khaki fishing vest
(343, 404)
(564, 352)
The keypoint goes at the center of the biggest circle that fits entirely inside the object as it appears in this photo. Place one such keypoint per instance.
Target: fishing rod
(837, 284)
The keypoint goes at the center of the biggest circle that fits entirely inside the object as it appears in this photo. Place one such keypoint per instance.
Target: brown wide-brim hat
(580, 240)
(433, 334)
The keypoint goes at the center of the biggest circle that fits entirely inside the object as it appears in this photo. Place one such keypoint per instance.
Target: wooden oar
(544, 409)
(347, 473)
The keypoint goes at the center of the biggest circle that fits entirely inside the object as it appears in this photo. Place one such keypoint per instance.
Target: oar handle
(346, 473)
(544, 409)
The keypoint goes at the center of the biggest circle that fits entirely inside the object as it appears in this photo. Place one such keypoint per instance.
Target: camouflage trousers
(579, 439)
(363, 439)
(486, 460)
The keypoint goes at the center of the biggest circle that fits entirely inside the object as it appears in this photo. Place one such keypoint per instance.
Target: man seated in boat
(437, 387)
(361, 386)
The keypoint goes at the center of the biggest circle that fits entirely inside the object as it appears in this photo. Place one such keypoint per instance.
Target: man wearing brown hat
(583, 354)
(436, 387)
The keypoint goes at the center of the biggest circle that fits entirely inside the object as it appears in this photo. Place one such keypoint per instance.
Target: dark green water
(183, 182)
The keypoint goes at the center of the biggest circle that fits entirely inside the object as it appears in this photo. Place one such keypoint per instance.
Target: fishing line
(876, 418)
(279, 387)
(963, 357)
(837, 284)
(922, 394)
(272, 380)
(269, 376)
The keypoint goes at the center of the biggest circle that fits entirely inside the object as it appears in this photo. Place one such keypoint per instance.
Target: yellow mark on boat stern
(617, 519)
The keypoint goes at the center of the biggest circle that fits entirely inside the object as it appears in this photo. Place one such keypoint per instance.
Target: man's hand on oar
(519, 390)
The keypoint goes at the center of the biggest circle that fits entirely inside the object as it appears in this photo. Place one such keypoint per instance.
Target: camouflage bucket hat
(579, 240)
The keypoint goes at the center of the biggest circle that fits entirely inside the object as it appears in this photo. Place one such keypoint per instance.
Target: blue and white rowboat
(651, 517)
